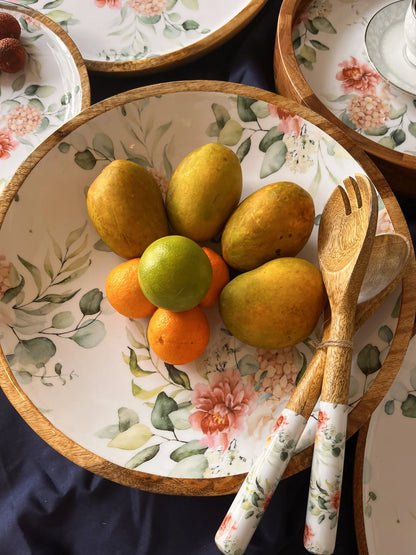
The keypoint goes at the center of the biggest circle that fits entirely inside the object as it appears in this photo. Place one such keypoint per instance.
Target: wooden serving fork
(345, 239)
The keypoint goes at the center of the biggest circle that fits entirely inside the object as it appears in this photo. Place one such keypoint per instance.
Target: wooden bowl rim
(66, 39)
(228, 484)
(184, 55)
(284, 57)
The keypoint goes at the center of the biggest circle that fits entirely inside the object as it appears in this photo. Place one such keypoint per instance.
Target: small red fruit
(12, 55)
(9, 26)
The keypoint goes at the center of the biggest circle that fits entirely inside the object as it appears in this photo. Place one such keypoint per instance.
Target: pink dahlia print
(114, 4)
(7, 143)
(368, 112)
(148, 7)
(357, 77)
(222, 406)
(289, 123)
(24, 120)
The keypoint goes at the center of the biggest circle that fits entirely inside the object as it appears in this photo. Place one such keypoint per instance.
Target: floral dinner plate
(52, 87)
(82, 375)
(147, 35)
(387, 488)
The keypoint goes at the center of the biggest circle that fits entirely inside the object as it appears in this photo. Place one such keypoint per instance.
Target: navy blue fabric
(50, 506)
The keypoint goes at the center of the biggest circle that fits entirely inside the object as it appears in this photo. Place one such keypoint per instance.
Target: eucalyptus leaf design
(36, 297)
(136, 26)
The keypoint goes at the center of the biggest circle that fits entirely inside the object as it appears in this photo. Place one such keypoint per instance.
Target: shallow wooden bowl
(399, 168)
(82, 375)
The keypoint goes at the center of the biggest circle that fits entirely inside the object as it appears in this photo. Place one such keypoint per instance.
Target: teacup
(410, 32)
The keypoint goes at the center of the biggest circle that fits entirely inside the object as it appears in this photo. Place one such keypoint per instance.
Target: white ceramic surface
(386, 46)
(389, 486)
(329, 43)
(68, 348)
(37, 100)
(117, 31)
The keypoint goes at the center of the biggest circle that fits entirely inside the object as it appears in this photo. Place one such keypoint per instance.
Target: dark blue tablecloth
(50, 506)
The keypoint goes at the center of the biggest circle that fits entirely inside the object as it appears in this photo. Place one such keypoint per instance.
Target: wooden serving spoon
(391, 253)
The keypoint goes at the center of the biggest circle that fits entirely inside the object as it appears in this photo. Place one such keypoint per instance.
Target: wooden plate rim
(229, 484)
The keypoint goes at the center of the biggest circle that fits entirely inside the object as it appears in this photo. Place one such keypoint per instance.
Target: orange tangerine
(178, 337)
(124, 292)
(220, 277)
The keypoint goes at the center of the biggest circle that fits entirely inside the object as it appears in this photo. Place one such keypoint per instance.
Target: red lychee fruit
(9, 26)
(12, 55)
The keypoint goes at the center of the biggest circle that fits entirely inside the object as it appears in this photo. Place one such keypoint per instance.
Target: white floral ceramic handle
(326, 479)
(252, 499)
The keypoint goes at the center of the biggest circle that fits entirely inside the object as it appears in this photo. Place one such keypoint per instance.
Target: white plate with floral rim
(147, 35)
(329, 44)
(52, 87)
(82, 375)
(387, 484)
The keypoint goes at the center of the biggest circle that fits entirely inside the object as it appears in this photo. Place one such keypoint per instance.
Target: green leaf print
(90, 334)
(190, 449)
(221, 115)
(178, 376)
(190, 25)
(126, 418)
(146, 454)
(90, 302)
(409, 406)
(85, 160)
(191, 467)
(245, 112)
(368, 359)
(160, 413)
(103, 144)
(274, 159)
(191, 4)
(37, 352)
(272, 136)
(63, 320)
(133, 438)
(323, 25)
(231, 133)
(34, 271)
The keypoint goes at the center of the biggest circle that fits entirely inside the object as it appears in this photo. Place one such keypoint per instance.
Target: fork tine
(345, 199)
(354, 193)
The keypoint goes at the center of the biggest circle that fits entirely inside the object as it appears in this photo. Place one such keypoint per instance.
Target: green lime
(175, 273)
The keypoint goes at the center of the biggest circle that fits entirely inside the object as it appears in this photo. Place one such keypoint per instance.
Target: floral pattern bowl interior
(384, 481)
(84, 376)
(52, 87)
(329, 42)
(132, 36)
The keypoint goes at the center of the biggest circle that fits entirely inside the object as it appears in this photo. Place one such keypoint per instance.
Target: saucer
(385, 43)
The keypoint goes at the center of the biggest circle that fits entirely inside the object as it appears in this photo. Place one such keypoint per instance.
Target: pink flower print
(368, 112)
(7, 143)
(335, 499)
(307, 535)
(227, 525)
(148, 7)
(281, 421)
(289, 123)
(222, 407)
(357, 77)
(322, 419)
(114, 4)
(24, 120)
(5, 268)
